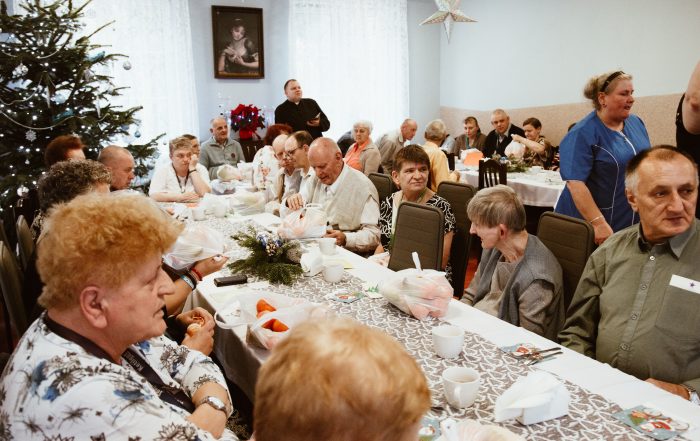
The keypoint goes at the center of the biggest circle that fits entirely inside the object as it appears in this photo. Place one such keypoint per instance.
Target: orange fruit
(262, 305)
(278, 326)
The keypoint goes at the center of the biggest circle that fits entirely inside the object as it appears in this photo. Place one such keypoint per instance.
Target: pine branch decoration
(270, 258)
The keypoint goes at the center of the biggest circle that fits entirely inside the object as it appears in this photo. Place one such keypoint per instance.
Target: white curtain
(156, 37)
(352, 58)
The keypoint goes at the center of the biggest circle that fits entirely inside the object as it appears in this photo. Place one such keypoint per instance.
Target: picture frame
(238, 42)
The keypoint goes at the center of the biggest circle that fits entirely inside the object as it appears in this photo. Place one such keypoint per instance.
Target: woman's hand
(602, 231)
(210, 265)
(518, 138)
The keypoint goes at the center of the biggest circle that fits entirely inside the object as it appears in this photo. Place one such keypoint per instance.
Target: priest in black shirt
(688, 121)
(301, 113)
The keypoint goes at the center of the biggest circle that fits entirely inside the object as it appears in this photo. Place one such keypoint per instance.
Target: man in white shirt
(296, 148)
(348, 197)
(390, 143)
(182, 179)
(288, 178)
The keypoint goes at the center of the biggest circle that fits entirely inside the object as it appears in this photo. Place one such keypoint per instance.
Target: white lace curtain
(156, 37)
(352, 57)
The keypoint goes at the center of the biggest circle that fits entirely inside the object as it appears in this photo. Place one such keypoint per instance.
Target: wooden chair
(492, 172)
(11, 286)
(459, 195)
(25, 243)
(450, 160)
(385, 186)
(419, 228)
(571, 240)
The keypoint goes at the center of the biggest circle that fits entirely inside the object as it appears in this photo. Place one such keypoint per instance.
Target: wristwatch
(216, 403)
(692, 394)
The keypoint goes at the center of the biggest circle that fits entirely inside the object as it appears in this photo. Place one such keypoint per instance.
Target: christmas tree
(52, 83)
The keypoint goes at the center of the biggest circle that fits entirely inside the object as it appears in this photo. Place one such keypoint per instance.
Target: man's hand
(210, 265)
(202, 339)
(314, 122)
(338, 235)
(190, 196)
(295, 202)
(675, 389)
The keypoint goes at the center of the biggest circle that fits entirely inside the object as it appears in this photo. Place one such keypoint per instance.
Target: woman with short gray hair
(518, 279)
(363, 155)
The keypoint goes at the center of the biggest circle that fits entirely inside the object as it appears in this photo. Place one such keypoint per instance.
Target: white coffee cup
(333, 272)
(198, 213)
(461, 386)
(448, 340)
(327, 245)
(220, 209)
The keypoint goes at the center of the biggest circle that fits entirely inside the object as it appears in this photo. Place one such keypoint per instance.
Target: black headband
(610, 79)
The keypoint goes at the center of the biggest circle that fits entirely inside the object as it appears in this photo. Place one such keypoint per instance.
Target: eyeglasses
(290, 153)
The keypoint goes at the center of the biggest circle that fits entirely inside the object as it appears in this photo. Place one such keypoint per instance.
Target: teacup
(333, 272)
(461, 386)
(220, 210)
(327, 245)
(448, 340)
(198, 213)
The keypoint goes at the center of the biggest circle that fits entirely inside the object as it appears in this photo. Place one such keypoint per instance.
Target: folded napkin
(312, 262)
(471, 430)
(532, 399)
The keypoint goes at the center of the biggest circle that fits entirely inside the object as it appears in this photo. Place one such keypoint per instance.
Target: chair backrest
(25, 243)
(459, 195)
(571, 240)
(419, 228)
(450, 160)
(492, 172)
(384, 184)
(11, 286)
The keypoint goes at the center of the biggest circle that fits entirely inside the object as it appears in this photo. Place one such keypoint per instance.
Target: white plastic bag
(259, 335)
(515, 149)
(421, 293)
(196, 242)
(246, 202)
(309, 222)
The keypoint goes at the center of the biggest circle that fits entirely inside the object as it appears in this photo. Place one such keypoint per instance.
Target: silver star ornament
(448, 12)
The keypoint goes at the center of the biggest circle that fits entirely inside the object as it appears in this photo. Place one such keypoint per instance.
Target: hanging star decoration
(448, 12)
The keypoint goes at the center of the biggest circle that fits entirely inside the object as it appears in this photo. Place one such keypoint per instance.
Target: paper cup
(461, 386)
(448, 340)
(220, 210)
(333, 272)
(327, 245)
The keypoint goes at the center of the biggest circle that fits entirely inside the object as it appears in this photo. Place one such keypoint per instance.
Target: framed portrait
(238, 42)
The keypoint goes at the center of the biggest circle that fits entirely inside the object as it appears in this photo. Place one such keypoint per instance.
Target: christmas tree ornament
(447, 13)
(22, 191)
(30, 135)
(20, 71)
(137, 134)
(127, 65)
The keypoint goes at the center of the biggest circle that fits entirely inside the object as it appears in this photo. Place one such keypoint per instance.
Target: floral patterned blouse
(53, 389)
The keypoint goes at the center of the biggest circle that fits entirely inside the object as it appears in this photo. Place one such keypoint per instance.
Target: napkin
(532, 399)
(471, 430)
(312, 262)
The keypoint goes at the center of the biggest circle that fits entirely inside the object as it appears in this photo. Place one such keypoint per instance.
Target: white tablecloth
(596, 380)
(540, 189)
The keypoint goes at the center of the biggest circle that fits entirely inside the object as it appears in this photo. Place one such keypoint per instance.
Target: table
(539, 189)
(597, 390)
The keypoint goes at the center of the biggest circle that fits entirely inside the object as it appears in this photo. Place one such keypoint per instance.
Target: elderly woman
(339, 380)
(518, 279)
(183, 179)
(363, 155)
(97, 354)
(410, 174)
(472, 138)
(64, 181)
(537, 148)
(62, 148)
(594, 155)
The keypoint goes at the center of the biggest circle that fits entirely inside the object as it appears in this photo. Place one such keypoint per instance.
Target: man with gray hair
(498, 139)
(390, 143)
(120, 163)
(435, 133)
(637, 304)
(348, 197)
(219, 149)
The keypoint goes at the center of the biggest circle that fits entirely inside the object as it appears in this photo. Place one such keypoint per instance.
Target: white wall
(215, 95)
(541, 52)
(424, 65)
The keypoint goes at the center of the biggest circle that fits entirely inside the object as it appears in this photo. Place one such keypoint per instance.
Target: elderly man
(390, 143)
(96, 362)
(636, 306)
(219, 149)
(435, 133)
(347, 195)
(339, 380)
(498, 139)
(301, 113)
(120, 164)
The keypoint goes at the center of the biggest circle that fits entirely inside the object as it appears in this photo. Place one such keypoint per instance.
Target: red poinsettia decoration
(246, 120)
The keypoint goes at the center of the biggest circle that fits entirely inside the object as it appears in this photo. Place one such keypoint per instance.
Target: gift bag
(309, 222)
(515, 149)
(421, 293)
(196, 242)
(246, 203)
